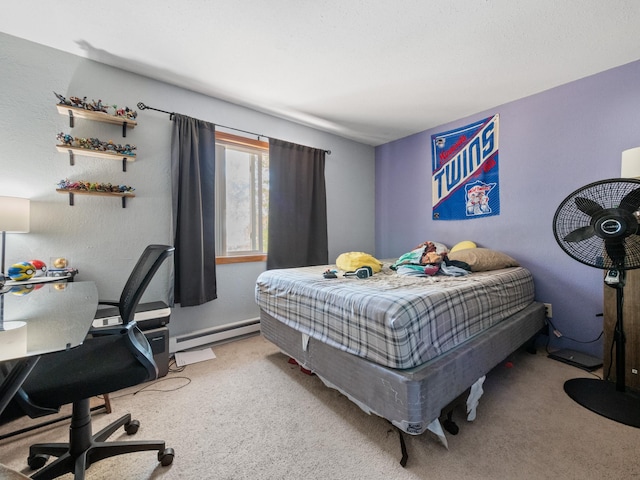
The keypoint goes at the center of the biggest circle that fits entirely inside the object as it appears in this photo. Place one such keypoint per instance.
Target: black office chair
(110, 359)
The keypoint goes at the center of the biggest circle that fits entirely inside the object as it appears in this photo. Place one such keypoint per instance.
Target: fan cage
(568, 217)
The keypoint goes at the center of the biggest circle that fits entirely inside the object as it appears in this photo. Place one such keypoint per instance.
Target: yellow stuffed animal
(351, 261)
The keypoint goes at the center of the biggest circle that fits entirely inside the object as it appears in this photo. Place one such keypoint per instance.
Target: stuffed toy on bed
(428, 259)
(351, 261)
(423, 259)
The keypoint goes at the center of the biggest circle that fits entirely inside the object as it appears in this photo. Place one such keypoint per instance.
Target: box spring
(410, 399)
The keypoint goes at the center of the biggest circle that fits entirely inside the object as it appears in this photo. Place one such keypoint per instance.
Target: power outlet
(548, 311)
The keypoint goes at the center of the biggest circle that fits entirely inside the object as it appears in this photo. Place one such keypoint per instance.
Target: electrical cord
(613, 342)
(173, 366)
(553, 327)
(573, 339)
(148, 386)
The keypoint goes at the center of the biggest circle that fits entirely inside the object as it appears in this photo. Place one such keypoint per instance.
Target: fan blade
(616, 252)
(631, 201)
(587, 206)
(580, 234)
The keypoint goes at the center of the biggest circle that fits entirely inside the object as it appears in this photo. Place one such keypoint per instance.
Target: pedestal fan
(598, 225)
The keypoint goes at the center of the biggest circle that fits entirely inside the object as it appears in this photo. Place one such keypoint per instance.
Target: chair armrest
(140, 347)
(136, 341)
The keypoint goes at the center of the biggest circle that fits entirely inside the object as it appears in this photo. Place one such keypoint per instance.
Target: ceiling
(368, 70)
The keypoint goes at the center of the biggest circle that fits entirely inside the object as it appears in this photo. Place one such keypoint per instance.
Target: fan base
(603, 398)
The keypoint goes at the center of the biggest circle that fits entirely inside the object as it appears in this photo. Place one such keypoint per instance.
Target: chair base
(85, 449)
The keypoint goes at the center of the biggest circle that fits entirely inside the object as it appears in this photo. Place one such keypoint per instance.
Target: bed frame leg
(403, 449)
(530, 346)
(449, 425)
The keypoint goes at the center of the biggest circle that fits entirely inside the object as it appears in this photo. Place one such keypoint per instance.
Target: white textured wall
(102, 239)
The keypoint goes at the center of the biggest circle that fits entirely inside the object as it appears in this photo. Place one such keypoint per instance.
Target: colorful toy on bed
(425, 259)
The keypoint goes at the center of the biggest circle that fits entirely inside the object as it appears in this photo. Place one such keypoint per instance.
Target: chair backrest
(142, 273)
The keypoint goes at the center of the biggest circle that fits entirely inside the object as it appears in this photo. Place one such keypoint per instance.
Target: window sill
(241, 259)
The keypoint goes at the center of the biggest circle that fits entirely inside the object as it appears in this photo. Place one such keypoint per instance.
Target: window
(242, 198)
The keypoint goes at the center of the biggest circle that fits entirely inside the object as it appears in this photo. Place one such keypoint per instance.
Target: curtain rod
(142, 106)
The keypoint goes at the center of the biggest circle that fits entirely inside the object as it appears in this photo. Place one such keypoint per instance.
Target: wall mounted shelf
(74, 112)
(85, 152)
(71, 193)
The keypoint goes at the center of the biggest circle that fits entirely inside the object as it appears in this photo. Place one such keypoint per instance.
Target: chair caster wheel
(165, 457)
(37, 461)
(132, 427)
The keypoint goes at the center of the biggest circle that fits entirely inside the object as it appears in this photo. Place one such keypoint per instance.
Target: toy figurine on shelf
(79, 102)
(82, 143)
(65, 138)
(98, 106)
(62, 100)
(93, 187)
(132, 114)
(125, 112)
(96, 144)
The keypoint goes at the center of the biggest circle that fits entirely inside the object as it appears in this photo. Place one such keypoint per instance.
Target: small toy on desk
(63, 272)
(60, 267)
(21, 271)
(40, 266)
(60, 262)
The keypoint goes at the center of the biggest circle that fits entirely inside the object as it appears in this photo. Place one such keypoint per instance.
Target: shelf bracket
(124, 129)
(71, 158)
(71, 199)
(124, 164)
(70, 119)
(124, 202)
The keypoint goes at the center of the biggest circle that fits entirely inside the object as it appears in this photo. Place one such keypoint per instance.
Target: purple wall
(551, 144)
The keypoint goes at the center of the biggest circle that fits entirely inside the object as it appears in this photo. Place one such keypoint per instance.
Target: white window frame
(260, 148)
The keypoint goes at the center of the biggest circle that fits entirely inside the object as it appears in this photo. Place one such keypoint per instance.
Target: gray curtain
(297, 206)
(193, 149)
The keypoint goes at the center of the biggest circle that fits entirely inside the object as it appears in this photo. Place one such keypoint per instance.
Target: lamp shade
(631, 163)
(14, 214)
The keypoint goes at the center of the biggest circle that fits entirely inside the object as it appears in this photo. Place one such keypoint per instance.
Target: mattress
(393, 320)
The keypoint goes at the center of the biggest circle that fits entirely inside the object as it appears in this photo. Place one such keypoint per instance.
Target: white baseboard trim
(213, 335)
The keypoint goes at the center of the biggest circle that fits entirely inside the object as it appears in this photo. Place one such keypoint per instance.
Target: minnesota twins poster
(465, 171)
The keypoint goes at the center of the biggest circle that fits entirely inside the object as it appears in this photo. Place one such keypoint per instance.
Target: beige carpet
(248, 414)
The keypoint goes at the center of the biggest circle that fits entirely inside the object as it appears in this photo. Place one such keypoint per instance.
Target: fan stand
(611, 400)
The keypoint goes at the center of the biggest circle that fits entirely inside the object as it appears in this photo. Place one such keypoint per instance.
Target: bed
(400, 347)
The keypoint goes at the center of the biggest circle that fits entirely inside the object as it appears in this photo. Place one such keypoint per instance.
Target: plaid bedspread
(393, 320)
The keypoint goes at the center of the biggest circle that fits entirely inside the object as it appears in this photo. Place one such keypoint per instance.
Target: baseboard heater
(214, 335)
